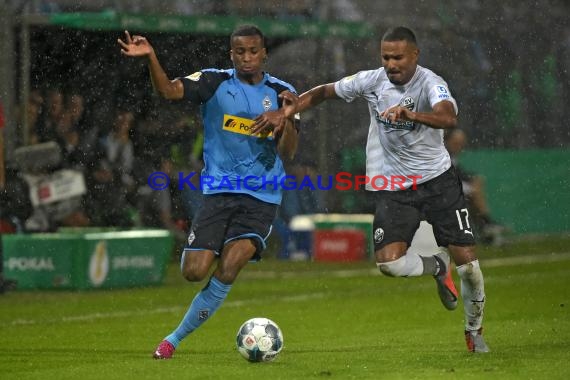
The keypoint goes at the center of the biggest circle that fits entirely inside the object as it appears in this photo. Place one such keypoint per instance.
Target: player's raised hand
(290, 103)
(135, 46)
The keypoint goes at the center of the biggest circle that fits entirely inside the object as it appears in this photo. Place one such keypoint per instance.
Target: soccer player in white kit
(409, 107)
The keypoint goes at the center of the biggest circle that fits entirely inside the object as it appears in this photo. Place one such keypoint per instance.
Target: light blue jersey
(236, 161)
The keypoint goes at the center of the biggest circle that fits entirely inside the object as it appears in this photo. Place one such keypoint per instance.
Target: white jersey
(404, 148)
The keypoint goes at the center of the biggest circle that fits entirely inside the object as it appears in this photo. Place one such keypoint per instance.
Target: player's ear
(232, 55)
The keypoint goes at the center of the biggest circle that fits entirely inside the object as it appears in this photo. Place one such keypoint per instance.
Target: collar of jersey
(260, 84)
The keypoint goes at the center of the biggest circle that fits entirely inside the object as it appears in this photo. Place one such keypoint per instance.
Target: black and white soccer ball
(259, 340)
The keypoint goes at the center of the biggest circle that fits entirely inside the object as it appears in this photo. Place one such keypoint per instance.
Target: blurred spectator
(165, 208)
(34, 111)
(474, 190)
(177, 137)
(80, 135)
(76, 155)
(111, 184)
(67, 137)
(56, 122)
(52, 115)
(75, 110)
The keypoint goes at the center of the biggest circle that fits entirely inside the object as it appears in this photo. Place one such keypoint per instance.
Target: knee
(463, 255)
(394, 268)
(470, 272)
(391, 259)
(194, 273)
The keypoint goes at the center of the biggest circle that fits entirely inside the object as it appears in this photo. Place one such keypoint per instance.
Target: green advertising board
(87, 260)
(210, 25)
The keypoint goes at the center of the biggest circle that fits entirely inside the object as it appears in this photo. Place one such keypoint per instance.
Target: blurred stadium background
(62, 79)
(71, 212)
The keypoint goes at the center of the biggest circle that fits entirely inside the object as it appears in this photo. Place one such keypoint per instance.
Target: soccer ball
(259, 340)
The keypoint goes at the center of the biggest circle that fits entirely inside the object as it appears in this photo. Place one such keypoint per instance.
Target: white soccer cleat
(475, 341)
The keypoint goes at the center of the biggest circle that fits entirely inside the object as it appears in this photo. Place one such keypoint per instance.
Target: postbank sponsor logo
(242, 126)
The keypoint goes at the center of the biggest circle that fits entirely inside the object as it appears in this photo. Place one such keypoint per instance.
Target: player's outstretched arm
(442, 117)
(288, 141)
(316, 96)
(138, 46)
(273, 120)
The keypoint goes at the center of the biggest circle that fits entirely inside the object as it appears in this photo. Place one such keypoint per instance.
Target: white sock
(409, 265)
(473, 294)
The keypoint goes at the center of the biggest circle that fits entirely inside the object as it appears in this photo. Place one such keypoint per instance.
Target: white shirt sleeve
(438, 91)
(354, 86)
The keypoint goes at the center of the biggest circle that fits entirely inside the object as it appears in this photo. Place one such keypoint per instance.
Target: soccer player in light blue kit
(244, 169)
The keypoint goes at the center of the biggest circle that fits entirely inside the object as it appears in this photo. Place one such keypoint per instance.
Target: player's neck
(250, 79)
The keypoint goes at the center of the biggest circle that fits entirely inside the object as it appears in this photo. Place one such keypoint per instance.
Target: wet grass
(340, 321)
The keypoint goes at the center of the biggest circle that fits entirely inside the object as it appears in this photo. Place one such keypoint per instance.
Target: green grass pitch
(340, 321)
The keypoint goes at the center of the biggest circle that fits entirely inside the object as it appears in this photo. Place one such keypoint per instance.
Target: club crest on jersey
(266, 103)
(408, 102)
(378, 235)
(195, 77)
(191, 237)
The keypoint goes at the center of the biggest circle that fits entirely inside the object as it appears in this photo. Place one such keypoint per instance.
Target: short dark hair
(400, 33)
(247, 30)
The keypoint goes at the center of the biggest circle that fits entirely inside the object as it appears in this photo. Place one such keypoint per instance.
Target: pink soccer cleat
(165, 350)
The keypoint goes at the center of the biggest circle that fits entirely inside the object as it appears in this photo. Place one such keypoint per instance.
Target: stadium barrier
(339, 245)
(345, 237)
(331, 237)
(88, 260)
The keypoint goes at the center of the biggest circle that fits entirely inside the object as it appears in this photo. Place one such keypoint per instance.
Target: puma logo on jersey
(233, 94)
